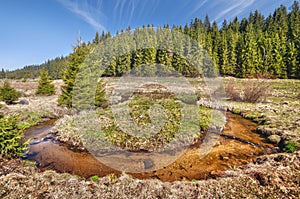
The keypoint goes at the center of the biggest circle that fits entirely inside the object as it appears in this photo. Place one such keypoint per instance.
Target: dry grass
(275, 176)
(252, 91)
(39, 106)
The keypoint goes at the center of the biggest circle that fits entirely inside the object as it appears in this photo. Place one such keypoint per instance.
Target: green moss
(236, 111)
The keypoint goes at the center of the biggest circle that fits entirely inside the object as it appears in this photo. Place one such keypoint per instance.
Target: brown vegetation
(251, 91)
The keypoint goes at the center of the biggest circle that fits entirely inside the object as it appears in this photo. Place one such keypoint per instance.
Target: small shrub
(8, 94)
(232, 93)
(251, 91)
(112, 176)
(94, 178)
(11, 133)
(291, 147)
(45, 87)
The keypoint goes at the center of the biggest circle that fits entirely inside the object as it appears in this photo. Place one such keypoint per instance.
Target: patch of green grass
(139, 110)
(29, 163)
(205, 117)
(236, 111)
(94, 178)
(291, 147)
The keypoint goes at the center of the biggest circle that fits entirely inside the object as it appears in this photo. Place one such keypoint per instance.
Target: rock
(116, 99)
(274, 139)
(24, 102)
(223, 157)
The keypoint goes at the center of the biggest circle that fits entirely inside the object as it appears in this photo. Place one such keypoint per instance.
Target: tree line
(54, 67)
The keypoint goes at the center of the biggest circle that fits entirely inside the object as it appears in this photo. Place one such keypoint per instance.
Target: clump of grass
(139, 111)
(94, 178)
(291, 147)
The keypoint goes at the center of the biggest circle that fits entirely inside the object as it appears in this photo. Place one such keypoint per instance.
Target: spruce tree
(8, 94)
(75, 60)
(233, 37)
(100, 95)
(223, 54)
(45, 86)
(277, 64)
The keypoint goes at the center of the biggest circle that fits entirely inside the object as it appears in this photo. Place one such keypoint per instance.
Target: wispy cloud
(198, 6)
(90, 13)
(237, 7)
(125, 11)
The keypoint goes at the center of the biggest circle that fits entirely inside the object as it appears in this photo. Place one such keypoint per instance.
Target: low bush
(251, 91)
(94, 178)
(8, 94)
(291, 147)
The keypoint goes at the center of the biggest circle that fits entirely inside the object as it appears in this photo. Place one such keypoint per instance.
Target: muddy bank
(272, 176)
(229, 152)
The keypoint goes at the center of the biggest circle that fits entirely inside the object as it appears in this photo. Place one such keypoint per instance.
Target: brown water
(239, 144)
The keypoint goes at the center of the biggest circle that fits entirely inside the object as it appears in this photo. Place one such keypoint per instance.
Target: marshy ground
(239, 169)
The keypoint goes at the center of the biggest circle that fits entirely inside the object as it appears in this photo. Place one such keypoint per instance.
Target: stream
(237, 145)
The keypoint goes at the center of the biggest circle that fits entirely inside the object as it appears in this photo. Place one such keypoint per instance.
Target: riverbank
(272, 176)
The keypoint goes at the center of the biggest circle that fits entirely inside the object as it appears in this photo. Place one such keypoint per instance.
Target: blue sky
(33, 31)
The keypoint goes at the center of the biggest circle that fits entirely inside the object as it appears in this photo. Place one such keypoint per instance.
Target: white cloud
(198, 6)
(237, 7)
(87, 12)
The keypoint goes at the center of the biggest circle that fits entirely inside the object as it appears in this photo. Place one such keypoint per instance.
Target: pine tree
(8, 94)
(75, 60)
(207, 24)
(223, 54)
(100, 95)
(233, 37)
(96, 39)
(294, 33)
(164, 54)
(123, 54)
(277, 64)
(45, 86)
(248, 56)
(292, 60)
(216, 40)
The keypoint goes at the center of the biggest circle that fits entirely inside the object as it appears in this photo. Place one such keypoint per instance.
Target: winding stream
(237, 145)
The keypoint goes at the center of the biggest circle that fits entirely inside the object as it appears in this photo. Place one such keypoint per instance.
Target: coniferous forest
(257, 46)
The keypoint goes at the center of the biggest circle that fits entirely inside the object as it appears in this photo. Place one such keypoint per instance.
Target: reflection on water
(227, 153)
